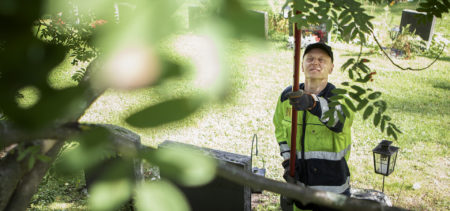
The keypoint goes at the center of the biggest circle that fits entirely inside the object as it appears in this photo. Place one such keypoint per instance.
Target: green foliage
(28, 57)
(437, 46)
(110, 194)
(183, 165)
(167, 195)
(84, 30)
(69, 27)
(32, 154)
(409, 43)
(94, 147)
(155, 115)
(434, 8)
(367, 101)
(352, 22)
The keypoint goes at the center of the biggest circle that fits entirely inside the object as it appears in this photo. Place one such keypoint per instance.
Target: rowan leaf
(358, 89)
(345, 110)
(338, 91)
(355, 96)
(374, 95)
(376, 119)
(383, 124)
(347, 63)
(340, 116)
(362, 104)
(336, 97)
(350, 104)
(367, 112)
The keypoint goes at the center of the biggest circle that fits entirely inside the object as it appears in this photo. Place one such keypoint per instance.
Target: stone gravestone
(219, 194)
(363, 194)
(262, 22)
(372, 195)
(132, 168)
(418, 23)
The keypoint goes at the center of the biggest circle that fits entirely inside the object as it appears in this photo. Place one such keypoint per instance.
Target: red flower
(60, 22)
(98, 23)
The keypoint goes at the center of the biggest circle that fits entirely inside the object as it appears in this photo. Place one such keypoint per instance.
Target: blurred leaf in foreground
(183, 165)
(165, 112)
(109, 195)
(160, 196)
(94, 147)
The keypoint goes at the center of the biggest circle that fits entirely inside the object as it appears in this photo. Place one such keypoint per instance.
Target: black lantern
(384, 158)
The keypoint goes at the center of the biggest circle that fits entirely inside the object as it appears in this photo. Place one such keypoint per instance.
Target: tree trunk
(11, 172)
(30, 182)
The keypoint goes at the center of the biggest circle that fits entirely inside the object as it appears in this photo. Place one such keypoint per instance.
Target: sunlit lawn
(418, 103)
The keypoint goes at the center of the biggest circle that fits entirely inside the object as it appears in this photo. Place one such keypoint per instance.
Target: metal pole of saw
(295, 87)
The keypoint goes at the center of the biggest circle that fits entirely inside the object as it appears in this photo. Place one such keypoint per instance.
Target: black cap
(319, 45)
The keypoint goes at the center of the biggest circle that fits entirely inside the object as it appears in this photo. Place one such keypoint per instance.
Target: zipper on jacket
(302, 142)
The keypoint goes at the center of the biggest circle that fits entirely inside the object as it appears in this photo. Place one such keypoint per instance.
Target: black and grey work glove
(286, 202)
(301, 101)
(287, 173)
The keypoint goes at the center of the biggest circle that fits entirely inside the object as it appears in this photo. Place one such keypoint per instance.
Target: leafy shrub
(73, 30)
(413, 45)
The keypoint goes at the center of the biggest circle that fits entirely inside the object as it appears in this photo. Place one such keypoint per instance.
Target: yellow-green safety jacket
(322, 150)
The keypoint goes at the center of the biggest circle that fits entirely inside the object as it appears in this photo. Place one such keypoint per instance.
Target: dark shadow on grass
(441, 85)
(442, 58)
(433, 107)
(423, 110)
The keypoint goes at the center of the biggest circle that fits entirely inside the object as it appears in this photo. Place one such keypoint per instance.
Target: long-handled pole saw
(295, 87)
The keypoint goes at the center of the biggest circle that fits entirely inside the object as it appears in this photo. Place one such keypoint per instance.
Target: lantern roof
(385, 148)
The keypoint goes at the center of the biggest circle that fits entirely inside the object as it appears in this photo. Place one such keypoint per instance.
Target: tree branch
(9, 134)
(305, 195)
(30, 181)
(127, 141)
(17, 198)
(407, 68)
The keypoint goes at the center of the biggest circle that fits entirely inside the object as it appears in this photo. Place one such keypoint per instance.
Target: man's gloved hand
(287, 173)
(286, 202)
(301, 101)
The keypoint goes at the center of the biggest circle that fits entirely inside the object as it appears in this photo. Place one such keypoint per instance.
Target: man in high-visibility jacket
(322, 150)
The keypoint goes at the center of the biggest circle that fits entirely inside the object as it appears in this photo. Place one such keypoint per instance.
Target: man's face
(317, 64)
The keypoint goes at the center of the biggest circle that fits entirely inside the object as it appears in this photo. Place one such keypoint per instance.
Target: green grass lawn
(417, 101)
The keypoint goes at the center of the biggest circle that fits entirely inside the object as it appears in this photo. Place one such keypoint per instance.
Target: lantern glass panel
(381, 163)
(393, 160)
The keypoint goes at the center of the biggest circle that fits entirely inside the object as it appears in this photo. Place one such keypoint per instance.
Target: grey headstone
(130, 141)
(423, 27)
(262, 22)
(220, 194)
(372, 195)
(365, 194)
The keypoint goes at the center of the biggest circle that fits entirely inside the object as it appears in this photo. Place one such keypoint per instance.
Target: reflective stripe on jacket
(326, 148)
